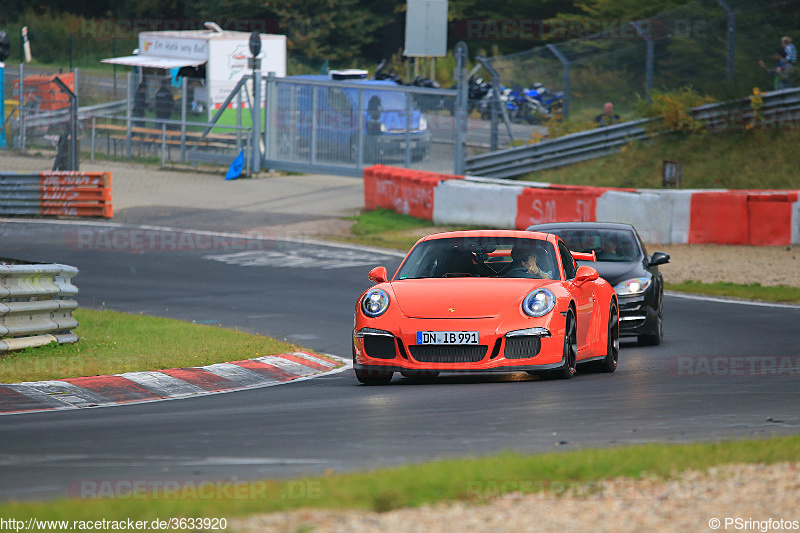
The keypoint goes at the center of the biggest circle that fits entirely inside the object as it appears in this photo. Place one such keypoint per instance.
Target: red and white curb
(158, 385)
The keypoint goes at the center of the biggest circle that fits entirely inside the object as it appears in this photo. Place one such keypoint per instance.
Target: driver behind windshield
(530, 263)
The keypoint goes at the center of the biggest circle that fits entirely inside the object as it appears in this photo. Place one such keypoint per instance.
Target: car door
(583, 295)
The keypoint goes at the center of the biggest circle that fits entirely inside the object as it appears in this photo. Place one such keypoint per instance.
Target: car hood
(616, 272)
(461, 297)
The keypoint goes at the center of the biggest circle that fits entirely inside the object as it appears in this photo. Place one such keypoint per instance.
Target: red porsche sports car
(486, 301)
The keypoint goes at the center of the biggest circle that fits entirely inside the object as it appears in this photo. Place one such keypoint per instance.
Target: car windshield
(607, 244)
(484, 257)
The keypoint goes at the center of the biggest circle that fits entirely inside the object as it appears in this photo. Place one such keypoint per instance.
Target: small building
(214, 59)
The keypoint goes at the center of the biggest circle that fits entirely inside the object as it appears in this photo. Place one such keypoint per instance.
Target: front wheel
(609, 363)
(656, 338)
(570, 354)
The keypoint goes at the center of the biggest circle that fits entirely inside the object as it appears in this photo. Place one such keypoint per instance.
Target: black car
(622, 260)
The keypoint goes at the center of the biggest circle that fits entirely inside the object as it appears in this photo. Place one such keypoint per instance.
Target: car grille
(437, 353)
(379, 346)
(522, 347)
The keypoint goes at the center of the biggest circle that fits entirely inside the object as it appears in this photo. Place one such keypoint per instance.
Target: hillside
(732, 160)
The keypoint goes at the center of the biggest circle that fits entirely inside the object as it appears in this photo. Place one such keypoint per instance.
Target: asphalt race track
(725, 370)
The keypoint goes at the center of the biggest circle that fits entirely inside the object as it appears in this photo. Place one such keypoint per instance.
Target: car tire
(372, 376)
(656, 338)
(570, 353)
(609, 363)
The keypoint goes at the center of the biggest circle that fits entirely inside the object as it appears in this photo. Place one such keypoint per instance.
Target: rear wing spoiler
(584, 256)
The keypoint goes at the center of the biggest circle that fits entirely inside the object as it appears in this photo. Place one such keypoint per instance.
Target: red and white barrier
(661, 216)
(57, 193)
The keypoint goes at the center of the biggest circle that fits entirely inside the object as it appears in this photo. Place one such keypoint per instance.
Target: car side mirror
(659, 258)
(584, 274)
(378, 274)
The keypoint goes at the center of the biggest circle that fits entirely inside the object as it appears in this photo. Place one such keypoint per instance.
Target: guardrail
(776, 108)
(557, 152)
(36, 305)
(57, 193)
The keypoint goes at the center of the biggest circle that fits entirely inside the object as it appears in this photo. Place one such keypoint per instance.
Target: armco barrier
(82, 194)
(661, 216)
(36, 304)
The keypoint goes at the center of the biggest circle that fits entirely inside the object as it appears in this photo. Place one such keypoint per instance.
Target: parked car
(622, 259)
(388, 123)
(469, 301)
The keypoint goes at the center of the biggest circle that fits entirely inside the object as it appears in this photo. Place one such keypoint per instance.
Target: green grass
(472, 480)
(730, 160)
(781, 294)
(113, 343)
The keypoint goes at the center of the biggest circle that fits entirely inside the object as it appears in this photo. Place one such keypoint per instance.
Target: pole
(255, 112)
(731, 37)
(22, 113)
(565, 77)
(70, 51)
(114, 66)
(184, 93)
(3, 105)
(461, 123)
(648, 82)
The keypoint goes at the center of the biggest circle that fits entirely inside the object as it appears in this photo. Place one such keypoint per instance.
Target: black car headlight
(539, 302)
(632, 286)
(375, 302)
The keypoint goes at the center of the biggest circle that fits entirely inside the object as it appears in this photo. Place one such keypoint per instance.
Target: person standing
(607, 117)
(140, 104)
(164, 102)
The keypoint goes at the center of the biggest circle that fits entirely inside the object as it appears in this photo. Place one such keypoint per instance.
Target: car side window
(570, 269)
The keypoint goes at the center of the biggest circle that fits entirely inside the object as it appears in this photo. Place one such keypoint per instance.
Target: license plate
(447, 337)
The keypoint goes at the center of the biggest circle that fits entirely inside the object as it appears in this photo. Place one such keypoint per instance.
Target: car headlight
(375, 302)
(423, 123)
(633, 286)
(539, 302)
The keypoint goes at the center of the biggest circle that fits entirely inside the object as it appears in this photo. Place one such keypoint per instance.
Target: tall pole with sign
(5, 45)
(255, 109)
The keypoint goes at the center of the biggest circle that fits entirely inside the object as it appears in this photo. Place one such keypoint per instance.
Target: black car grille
(379, 346)
(522, 347)
(437, 353)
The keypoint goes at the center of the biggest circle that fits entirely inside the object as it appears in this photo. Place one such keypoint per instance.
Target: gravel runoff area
(726, 498)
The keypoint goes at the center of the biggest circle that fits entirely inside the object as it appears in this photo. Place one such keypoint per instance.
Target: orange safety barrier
(573, 204)
(718, 218)
(769, 218)
(402, 190)
(57, 193)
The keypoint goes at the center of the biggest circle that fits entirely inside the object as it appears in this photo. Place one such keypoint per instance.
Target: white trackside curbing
(475, 204)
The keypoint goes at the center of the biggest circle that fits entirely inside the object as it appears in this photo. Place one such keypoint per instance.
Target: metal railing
(36, 305)
(557, 152)
(776, 108)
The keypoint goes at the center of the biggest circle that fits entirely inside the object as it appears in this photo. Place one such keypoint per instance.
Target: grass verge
(781, 293)
(113, 343)
(472, 479)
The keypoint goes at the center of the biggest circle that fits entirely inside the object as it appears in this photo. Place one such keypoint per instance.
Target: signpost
(255, 111)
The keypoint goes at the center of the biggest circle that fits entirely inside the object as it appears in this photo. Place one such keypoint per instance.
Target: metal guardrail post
(91, 153)
(163, 144)
(731, 37)
(256, 115)
(565, 77)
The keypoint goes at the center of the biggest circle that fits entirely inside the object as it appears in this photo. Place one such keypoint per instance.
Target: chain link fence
(711, 45)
